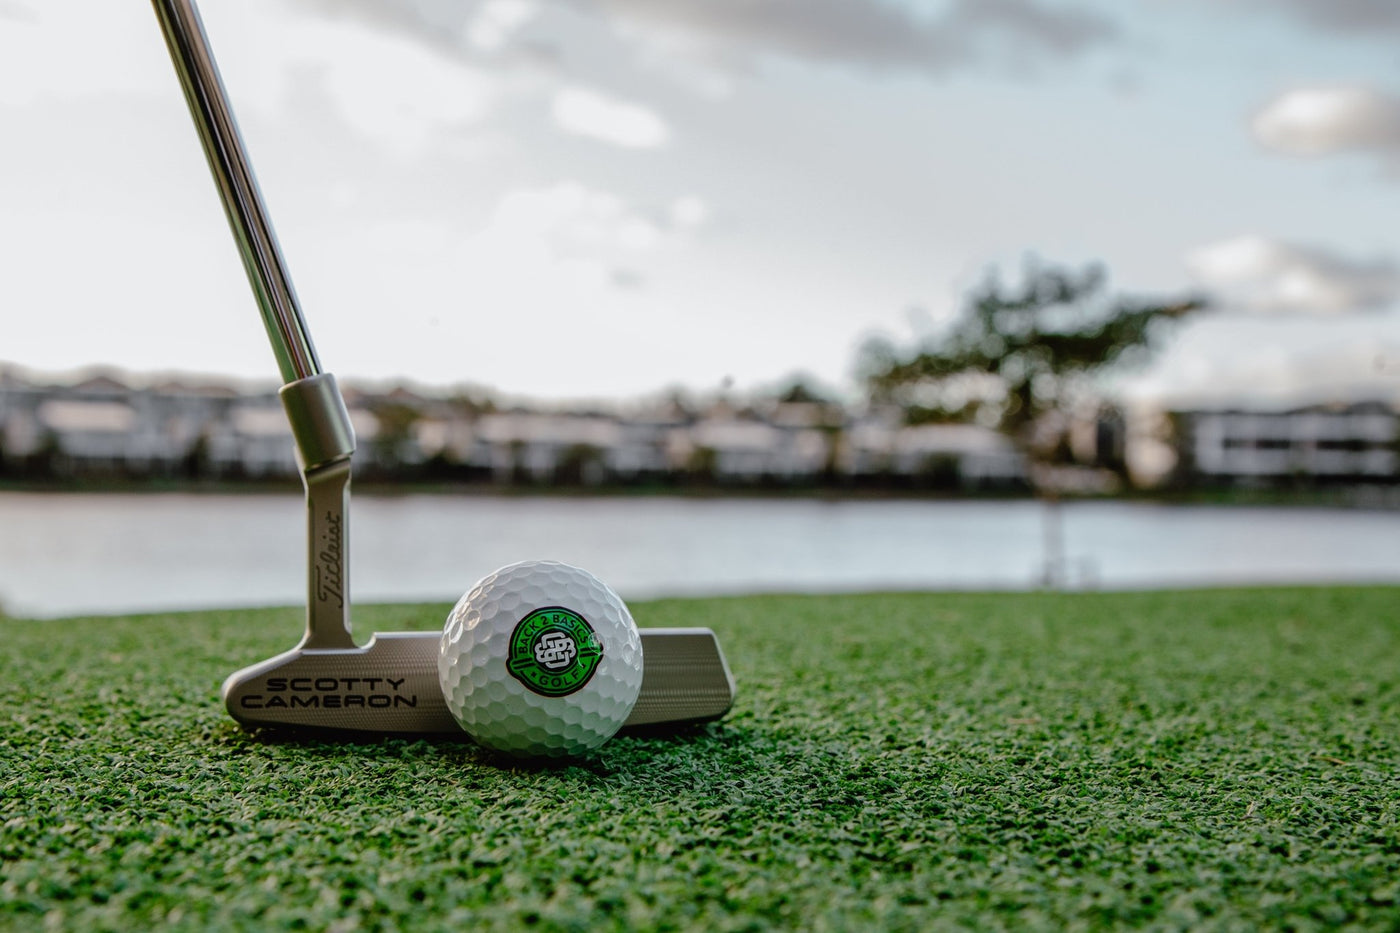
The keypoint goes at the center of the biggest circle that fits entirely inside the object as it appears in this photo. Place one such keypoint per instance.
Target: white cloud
(871, 33)
(1259, 274)
(390, 88)
(1210, 371)
(573, 235)
(689, 212)
(118, 46)
(1374, 19)
(1323, 120)
(19, 10)
(567, 227)
(586, 112)
(497, 21)
(407, 94)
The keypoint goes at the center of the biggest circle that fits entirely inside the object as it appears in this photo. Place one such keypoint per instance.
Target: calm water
(70, 554)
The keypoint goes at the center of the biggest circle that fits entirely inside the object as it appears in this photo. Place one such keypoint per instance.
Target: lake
(65, 554)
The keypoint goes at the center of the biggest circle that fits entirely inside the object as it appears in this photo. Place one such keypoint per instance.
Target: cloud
(574, 232)
(932, 38)
(485, 26)
(1323, 120)
(497, 21)
(440, 21)
(408, 95)
(1209, 372)
(688, 212)
(96, 56)
(18, 11)
(587, 112)
(1259, 274)
(1368, 18)
(872, 33)
(384, 83)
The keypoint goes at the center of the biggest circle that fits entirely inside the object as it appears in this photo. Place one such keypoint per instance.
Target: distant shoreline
(1379, 497)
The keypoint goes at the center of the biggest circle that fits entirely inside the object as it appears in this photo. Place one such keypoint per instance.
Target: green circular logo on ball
(554, 651)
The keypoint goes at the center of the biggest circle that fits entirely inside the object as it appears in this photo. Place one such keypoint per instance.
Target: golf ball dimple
(540, 660)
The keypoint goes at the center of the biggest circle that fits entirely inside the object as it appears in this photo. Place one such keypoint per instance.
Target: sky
(565, 200)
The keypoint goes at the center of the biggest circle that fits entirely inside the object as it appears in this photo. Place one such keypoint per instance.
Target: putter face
(391, 685)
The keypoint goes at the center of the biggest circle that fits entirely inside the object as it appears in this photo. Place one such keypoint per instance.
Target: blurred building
(103, 427)
(1324, 444)
(964, 456)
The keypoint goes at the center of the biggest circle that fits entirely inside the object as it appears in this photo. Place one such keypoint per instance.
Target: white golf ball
(540, 660)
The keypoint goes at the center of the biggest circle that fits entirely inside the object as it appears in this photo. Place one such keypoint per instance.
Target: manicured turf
(1196, 760)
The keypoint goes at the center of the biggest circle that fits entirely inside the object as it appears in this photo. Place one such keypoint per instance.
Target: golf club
(327, 681)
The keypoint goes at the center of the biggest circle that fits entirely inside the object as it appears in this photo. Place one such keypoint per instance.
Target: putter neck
(325, 443)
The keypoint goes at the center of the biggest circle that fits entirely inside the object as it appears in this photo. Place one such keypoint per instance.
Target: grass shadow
(631, 749)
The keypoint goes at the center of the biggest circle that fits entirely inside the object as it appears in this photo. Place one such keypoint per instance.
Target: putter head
(391, 685)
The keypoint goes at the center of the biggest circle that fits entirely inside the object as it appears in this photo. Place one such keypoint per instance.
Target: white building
(749, 449)
(253, 439)
(537, 444)
(968, 454)
(1358, 442)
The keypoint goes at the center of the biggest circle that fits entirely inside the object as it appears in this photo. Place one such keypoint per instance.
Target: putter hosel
(325, 443)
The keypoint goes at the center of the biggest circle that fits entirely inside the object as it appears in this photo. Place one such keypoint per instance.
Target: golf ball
(540, 660)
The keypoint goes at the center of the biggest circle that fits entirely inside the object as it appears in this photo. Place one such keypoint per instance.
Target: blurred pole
(1054, 575)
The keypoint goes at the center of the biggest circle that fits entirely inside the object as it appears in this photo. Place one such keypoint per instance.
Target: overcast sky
(603, 199)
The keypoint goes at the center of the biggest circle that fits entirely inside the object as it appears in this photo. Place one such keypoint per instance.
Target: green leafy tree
(1016, 354)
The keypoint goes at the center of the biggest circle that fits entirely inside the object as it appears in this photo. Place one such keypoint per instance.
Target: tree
(800, 392)
(394, 443)
(580, 465)
(1017, 355)
(1022, 360)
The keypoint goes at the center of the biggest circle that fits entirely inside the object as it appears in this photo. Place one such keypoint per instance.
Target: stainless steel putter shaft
(320, 424)
(389, 684)
(238, 187)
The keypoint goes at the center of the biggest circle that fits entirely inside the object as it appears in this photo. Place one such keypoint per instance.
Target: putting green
(1208, 759)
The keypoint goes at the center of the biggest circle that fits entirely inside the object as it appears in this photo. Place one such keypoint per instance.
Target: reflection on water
(67, 554)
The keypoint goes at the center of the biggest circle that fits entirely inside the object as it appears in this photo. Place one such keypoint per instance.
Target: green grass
(1193, 760)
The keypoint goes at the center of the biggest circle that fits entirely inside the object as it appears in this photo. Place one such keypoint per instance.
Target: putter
(390, 684)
